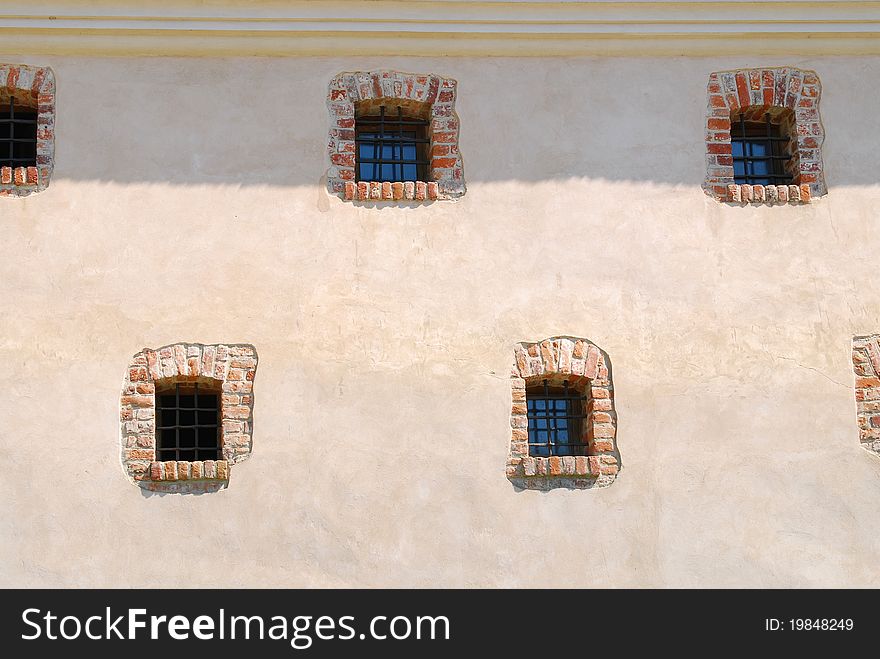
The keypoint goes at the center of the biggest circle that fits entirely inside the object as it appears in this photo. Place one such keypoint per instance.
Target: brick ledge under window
(195, 470)
(570, 465)
(768, 194)
(397, 191)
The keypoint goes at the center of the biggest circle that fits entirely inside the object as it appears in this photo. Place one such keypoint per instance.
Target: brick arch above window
(585, 368)
(755, 93)
(31, 88)
(228, 370)
(434, 94)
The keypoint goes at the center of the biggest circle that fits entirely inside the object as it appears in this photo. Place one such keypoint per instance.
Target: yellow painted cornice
(437, 28)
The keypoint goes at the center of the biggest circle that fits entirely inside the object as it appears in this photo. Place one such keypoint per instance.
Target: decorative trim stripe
(396, 27)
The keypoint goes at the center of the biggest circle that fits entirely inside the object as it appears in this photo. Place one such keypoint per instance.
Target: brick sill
(570, 465)
(19, 181)
(200, 470)
(768, 194)
(396, 191)
(569, 472)
(578, 472)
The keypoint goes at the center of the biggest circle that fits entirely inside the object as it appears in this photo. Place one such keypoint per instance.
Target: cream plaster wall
(187, 205)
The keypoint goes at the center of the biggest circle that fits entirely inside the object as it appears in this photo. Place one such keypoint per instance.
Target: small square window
(563, 426)
(186, 415)
(27, 129)
(18, 135)
(391, 146)
(393, 137)
(187, 428)
(764, 136)
(555, 420)
(761, 150)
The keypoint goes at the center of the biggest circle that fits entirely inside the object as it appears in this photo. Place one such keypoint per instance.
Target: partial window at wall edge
(27, 129)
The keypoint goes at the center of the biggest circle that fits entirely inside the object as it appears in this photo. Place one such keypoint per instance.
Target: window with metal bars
(555, 420)
(187, 425)
(18, 135)
(391, 147)
(760, 152)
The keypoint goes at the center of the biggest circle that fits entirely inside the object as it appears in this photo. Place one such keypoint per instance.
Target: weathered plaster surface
(187, 201)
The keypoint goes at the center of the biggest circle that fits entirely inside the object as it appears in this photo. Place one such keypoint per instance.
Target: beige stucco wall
(188, 205)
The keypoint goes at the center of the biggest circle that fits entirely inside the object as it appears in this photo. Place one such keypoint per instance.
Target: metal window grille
(18, 136)
(759, 152)
(555, 420)
(391, 148)
(187, 425)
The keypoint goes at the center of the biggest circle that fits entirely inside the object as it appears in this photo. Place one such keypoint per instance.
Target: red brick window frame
(231, 368)
(32, 87)
(866, 365)
(587, 368)
(351, 93)
(756, 92)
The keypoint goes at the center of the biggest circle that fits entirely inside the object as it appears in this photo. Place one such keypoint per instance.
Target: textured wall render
(385, 333)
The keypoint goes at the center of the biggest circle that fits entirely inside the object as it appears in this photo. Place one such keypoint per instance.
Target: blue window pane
(760, 167)
(550, 430)
(393, 151)
(758, 149)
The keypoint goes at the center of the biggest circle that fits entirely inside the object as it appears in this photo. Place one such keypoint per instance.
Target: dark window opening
(18, 135)
(555, 418)
(391, 147)
(761, 151)
(187, 426)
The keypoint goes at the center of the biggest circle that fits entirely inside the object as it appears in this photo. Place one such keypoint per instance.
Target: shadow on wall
(253, 122)
(205, 488)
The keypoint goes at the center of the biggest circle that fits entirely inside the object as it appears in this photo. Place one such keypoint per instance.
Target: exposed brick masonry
(866, 364)
(33, 87)
(757, 91)
(434, 93)
(585, 366)
(231, 368)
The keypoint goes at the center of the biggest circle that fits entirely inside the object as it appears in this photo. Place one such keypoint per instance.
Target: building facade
(196, 213)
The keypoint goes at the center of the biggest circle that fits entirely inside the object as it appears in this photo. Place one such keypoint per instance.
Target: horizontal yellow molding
(390, 44)
(437, 28)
